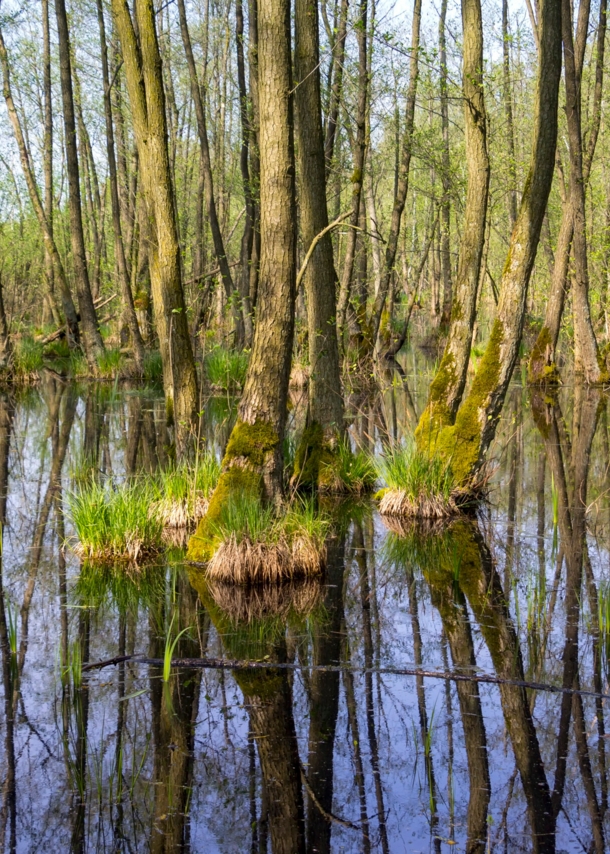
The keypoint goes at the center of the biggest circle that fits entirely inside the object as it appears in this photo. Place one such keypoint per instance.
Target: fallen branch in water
(235, 664)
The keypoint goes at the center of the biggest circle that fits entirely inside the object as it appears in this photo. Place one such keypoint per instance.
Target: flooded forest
(304, 426)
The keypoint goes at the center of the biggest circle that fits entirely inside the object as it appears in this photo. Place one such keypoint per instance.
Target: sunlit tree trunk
(145, 85)
(448, 385)
(466, 442)
(119, 246)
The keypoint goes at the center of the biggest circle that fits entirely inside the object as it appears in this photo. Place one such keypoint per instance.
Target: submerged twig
(235, 664)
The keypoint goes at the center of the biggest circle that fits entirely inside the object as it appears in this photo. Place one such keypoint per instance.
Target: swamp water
(334, 749)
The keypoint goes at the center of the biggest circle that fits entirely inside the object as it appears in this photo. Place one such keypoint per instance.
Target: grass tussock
(349, 472)
(114, 523)
(27, 359)
(182, 492)
(421, 486)
(255, 545)
(110, 364)
(226, 369)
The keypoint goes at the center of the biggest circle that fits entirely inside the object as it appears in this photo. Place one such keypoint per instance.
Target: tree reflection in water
(302, 758)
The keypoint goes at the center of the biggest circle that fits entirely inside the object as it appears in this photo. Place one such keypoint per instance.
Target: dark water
(355, 757)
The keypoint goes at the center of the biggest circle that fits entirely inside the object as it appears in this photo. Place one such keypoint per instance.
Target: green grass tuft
(415, 473)
(348, 471)
(110, 363)
(27, 357)
(114, 522)
(153, 367)
(226, 369)
(182, 491)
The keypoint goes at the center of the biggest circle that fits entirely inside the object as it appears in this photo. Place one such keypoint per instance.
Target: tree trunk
(145, 85)
(247, 241)
(336, 88)
(402, 187)
(92, 340)
(68, 306)
(48, 157)
(119, 246)
(253, 461)
(446, 177)
(465, 443)
(325, 394)
(359, 159)
(208, 179)
(507, 97)
(542, 366)
(448, 385)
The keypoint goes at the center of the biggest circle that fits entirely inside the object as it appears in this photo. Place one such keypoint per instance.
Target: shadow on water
(324, 716)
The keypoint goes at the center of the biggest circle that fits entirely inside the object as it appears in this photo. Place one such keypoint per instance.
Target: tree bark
(402, 186)
(542, 367)
(145, 85)
(247, 241)
(466, 442)
(325, 394)
(445, 175)
(119, 246)
(48, 157)
(336, 87)
(73, 333)
(448, 385)
(507, 97)
(92, 339)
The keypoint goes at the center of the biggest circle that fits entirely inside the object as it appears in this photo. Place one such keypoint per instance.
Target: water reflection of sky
(66, 756)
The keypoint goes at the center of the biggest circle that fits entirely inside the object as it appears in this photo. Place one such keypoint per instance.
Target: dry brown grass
(135, 551)
(396, 502)
(249, 604)
(246, 562)
(174, 513)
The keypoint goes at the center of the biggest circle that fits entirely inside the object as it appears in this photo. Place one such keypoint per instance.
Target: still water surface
(355, 757)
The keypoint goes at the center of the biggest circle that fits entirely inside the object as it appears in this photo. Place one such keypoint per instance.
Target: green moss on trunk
(248, 452)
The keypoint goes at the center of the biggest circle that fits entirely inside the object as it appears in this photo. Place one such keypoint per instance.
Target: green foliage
(27, 357)
(77, 363)
(226, 369)
(113, 522)
(331, 468)
(110, 363)
(353, 472)
(184, 479)
(414, 472)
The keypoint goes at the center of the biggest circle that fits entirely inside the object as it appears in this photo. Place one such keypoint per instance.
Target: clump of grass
(114, 523)
(348, 472)
(182, 491)
(110, 363)
(226, 369)
(58, 349)
(255, 544)
(419, 485)
(78, 363)
(27, 358)
(153, 367)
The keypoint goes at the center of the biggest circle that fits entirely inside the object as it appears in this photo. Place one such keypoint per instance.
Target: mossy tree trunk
(466, 442)
(542, 367)
(448, 385)
(325, 394)
(253, 462)
(142, 62)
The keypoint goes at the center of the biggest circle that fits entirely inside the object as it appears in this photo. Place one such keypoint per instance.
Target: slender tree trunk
(48, 157)
(446, 176)
(255, 166)
(325, 394)
(336, 88)
(145, 85)
(586, 353)
(92, 340)
(542, 366)
(359, 160)
(402, 186)
(448, 385)
(119, 246)
(465, 443)
(68, 306)
(247, 241)
(208, 179)
(507, 97)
